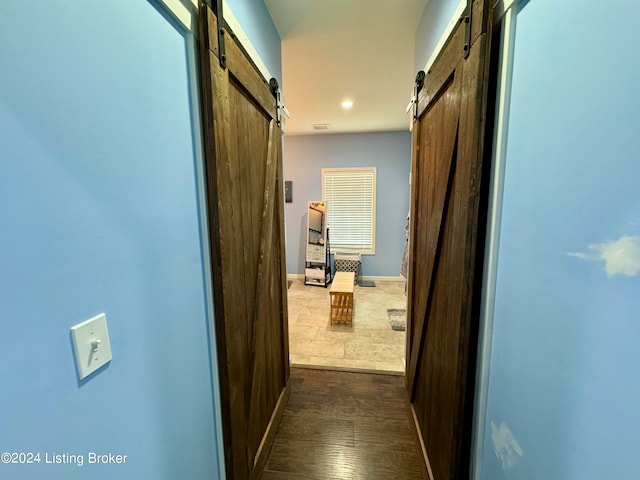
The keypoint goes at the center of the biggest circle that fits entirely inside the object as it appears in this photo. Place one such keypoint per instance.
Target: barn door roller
(275, 91)
(280, 107)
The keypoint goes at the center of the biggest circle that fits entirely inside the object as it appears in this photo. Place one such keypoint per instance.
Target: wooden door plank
(279, 343)
(448, 413)
(480, 23)
(472, 123)
(271, 430)
(209, 34)
(262, 287)
(235, 100)
(434, 225)
(411, 268)
(242, 69)
(433, 385)
(237, 62)
(271, 379)
(452, 52)
(284, 332)
(212, 148)
(444, 288)
(441, 70)
(229, 210)
(442, 339)
(252, 150)
(224, 219)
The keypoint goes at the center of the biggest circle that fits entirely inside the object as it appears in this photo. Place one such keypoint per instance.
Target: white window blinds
(350, 194)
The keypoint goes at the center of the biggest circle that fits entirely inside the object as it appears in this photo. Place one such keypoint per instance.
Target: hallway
(344, 425)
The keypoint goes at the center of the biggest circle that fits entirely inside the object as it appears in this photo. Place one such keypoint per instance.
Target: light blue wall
(390, 152)
(99, 213)
(434, 21)
(258, 25)
(564, 376)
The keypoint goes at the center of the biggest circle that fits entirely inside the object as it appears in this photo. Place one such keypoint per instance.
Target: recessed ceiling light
(347, 104)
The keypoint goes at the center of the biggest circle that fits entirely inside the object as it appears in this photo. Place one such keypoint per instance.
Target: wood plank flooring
(344, 425)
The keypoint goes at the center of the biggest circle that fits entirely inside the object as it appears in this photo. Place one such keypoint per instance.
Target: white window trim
(339, 248)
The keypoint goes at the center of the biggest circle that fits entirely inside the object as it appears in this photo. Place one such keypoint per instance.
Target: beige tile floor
(369, 344)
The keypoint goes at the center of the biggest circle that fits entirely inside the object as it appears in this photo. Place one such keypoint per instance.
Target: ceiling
(334, 50)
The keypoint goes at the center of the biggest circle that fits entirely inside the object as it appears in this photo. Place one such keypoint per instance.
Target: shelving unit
(317, 261)
(318, 271)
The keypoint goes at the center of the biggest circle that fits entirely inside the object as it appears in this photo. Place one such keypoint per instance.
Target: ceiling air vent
(320, 126)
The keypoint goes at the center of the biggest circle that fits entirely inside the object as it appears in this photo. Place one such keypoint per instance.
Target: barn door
(243, 164)
(445, 243)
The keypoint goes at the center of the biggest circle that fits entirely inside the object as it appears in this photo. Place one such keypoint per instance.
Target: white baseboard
(380, 278)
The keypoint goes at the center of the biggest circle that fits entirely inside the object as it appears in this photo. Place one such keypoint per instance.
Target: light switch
(91, 345)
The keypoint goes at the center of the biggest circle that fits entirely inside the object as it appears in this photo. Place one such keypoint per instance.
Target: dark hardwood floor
(343, 425)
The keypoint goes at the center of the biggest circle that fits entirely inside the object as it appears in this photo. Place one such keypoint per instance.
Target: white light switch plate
(91, 345)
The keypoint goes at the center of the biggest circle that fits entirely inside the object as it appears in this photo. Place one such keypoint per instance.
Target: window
(350, 194)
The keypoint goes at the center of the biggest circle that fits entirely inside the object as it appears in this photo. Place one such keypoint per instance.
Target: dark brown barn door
(446, 236)
(243, 164)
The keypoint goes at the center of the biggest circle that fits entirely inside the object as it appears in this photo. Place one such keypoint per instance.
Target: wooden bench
(342, 298)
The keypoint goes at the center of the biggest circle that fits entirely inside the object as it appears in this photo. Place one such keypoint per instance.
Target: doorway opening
(374, 338)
